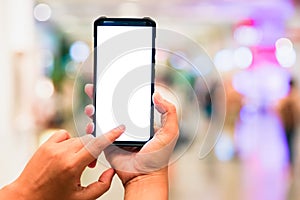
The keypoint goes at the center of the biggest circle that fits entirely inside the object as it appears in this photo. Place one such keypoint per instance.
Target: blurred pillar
(17, 72)
(5, 73)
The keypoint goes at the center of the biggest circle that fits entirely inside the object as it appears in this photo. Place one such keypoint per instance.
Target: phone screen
(124, 80)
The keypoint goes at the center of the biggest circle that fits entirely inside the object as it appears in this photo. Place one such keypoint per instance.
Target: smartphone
(124, 61)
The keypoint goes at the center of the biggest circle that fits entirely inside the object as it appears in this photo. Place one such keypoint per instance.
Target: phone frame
(145, 22)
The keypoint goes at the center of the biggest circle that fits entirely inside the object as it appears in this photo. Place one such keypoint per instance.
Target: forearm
(152, 186)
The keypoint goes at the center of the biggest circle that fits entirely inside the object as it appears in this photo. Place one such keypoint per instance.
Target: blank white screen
(138, 103)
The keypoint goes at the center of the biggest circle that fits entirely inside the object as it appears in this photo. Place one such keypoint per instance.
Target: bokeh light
(224, 60)
(42, 12)
(44, 88)
(247, 35)
(224, 149)
(79, 51)
(285, 52)
(242, 57)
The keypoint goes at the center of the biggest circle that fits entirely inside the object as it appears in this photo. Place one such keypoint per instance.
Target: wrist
(148, 186)
(161, 174)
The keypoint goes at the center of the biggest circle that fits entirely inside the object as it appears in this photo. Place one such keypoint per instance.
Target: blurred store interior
(254, 98)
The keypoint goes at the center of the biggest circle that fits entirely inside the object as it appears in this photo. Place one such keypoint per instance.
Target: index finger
(94, 147)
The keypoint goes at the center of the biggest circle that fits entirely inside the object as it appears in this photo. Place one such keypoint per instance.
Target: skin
(55, 169)
(144, 172)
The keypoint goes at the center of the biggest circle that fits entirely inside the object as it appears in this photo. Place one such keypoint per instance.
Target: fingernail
(92, 109)
(86, 87)
(92, 127)
(160, 108)
(158, 97)
(158, 102)
(122, 127)
(89, 108)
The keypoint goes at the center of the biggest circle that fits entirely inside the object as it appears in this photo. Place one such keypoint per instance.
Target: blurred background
(254, 45)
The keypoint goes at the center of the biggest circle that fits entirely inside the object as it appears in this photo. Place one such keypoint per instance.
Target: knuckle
(69, 165)
(58, 156)
(172, 129)
(63, 133)
(105, 186)
(48, 150)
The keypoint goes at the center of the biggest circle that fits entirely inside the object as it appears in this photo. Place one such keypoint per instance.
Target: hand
(55, 169)
(152, 159)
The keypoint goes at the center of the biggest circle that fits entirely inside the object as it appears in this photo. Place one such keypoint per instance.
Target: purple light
(262, 147)
(262, 85)
(260, 136)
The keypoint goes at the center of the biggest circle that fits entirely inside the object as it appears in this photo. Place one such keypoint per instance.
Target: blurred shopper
(205, 94)
(233, 104)
(289, 111)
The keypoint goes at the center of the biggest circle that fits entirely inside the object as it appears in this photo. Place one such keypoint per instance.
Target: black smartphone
(124, 61)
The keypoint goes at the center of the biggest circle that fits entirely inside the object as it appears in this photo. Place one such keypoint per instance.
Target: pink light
(264, 56)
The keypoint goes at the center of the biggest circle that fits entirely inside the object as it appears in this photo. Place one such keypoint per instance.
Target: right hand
(152, 159)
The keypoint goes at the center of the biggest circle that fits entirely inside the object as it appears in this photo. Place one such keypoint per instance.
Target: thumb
(98, 188)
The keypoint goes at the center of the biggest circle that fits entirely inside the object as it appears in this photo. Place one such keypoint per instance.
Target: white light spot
(242, 57)
(42, 12)
(79, 51)
(285, 52)
(247, 35)
(283, 43)
(286, 57)
(44, 88)
(224, 60)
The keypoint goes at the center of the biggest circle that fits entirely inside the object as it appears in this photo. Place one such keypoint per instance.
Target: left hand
(55, 169)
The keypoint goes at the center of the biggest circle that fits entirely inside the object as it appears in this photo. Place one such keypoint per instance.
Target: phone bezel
(146, 22)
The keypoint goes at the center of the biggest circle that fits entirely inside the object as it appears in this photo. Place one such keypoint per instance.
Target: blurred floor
(190, 177)
(194, 179)
(210, 179)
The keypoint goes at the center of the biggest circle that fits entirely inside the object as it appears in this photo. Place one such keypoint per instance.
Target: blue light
(79, 51)
(224, 149)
